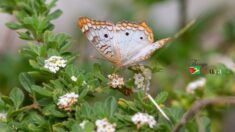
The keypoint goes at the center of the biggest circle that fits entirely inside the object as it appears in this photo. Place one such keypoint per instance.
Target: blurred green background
(210, 40)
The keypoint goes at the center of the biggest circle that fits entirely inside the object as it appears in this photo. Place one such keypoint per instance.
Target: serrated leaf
(161, 97)
(85, 111)
(83, 93)
(52, 4)
(17, 97)
(76, 128)
(13, 25)
(25, 36)
(43, 50)
(55, 15)
(89, 127)
(42, 91)
(97, 73)
(51, 110)
(52, 52)
(72, 70)
(26, 81)
(5, 128)
(110, 106)
(34, 64)
(6, 99)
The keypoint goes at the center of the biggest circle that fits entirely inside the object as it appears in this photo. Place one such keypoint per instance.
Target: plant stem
(198, 105)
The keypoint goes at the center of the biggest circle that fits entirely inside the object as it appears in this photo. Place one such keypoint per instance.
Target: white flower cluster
(192, 86)
(142, 78)
(140, 119)
(3, 116)
(54, 63)
(104, 126)
(115, 81)
(67, 100)
(139, 80)
(73, 78)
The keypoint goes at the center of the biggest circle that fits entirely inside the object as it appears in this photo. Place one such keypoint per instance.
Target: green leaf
(52, 52)
(175, 113)
(161, 97)
(83, 93)
(6, 100)
(42, 91)
(55, 15)
(5, 128)
(76, 128)
(37, 118)
(110, 106)
(85, 111)
(26, 81)
(97, 73)
(2, 103)
(34, 64)
(207, 123)
(52, 4)
(51, 110)
(25, 35)
(17, 97)
(89, 127)
(43, 50)
(13, 26)
(72, 70)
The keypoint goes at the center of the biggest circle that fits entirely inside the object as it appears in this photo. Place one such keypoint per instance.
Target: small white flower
(140, 119)
(83, 123)
(54, 63)
(115, 81)
(192, 86)
(84, 83)
(104, 126)
(151, 121)
(138, 78)
(67, 100)
(73, 78)
(142, 78)
(3, 116)
(139, 81)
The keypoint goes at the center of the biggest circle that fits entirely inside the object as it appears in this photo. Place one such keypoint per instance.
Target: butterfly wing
(101, 35)
(135, 42)
(146, 52)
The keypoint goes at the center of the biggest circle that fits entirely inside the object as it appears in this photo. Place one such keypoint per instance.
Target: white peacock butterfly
(124, 43)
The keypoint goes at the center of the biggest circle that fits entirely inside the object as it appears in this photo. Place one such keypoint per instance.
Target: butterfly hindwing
(146, 52)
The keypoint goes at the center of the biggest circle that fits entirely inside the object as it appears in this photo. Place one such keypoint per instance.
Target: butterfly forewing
(101, 35)
(132, 39)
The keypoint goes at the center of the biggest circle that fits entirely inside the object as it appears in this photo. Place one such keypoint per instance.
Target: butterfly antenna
(184, 29)
(179, 33)
(158, 107)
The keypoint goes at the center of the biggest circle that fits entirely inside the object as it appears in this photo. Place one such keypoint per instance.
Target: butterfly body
(124, 43)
